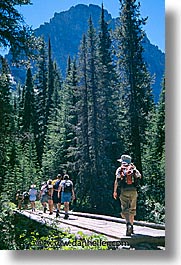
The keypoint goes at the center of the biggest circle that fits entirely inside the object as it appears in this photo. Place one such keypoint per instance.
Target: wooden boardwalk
(113, 228)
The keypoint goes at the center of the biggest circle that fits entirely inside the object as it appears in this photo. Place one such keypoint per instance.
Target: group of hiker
(53, 193)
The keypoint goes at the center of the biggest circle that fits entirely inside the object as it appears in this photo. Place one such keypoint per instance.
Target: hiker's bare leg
(66, 207)
(59, 206)
(131, 219)
(19, 205)
(50, 205)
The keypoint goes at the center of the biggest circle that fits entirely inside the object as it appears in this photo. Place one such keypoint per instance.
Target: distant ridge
(66, 28)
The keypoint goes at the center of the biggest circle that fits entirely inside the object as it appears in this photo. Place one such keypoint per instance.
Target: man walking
(56, 199)
(128, 176)
(67, 193)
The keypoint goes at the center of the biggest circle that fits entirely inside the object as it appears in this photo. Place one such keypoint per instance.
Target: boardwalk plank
(111, 227)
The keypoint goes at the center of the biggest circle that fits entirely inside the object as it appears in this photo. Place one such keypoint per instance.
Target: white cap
(125, 158)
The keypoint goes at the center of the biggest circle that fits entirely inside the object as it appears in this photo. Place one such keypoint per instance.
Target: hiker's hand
(115, 195)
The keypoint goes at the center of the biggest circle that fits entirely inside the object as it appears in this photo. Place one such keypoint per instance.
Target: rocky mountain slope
(66, 28)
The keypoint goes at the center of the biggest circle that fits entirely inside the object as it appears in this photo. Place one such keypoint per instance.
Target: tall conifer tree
(70, 114)
(93, 109)
(5, 119)
(109, 144)
(82, 129)
(135, 81)
(28, 117)
(41, 99)
(154, 163)
(50, 82)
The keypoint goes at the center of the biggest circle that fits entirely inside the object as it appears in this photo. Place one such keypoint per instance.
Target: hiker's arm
(115, 189)
(118, 176)
(59, 190)
(138, 174)
(73, 194)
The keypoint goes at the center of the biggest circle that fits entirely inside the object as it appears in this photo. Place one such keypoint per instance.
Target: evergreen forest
(82, 123)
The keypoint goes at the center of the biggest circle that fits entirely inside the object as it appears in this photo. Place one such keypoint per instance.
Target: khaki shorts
(128, 200)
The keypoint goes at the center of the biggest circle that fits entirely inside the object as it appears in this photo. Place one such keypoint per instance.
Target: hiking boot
(129, 229)
(50, 213)
(44, 210)
(66, 216)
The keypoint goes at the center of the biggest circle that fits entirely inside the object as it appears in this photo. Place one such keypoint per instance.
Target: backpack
(56, 184)
(127, 174)
(26, 196)
(19, 196)
(67, 186)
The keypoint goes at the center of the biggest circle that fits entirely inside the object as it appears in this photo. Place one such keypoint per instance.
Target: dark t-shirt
(66, 185)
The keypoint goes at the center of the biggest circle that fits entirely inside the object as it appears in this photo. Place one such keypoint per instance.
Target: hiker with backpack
(19, 199)
(25, 199)
(67, 193)
(44, 196)
(32, 196)
(56, 199)
(50, 196)
(127, 177)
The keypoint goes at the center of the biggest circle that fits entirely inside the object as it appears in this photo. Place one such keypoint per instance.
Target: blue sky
(42, 10)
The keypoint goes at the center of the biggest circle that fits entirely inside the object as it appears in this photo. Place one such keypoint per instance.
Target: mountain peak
(66, 29)
(81, 13)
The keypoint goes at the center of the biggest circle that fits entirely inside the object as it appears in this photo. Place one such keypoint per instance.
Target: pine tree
(44, 86)
(50, 116)
(70, 115)
(18, 105)
(50, 82)
(53, 156)
(40, 100)
(135, 81)
(97, 128)
(154, 164)
(57, 93)
(5, 119)
(109, 144)
(82, 129)
(160, 128)
(60, 141)
(31, 172)
(93, 109)
(11, 178)
(28, 159)
(14, 32)
(108, 92)
(28, 117)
